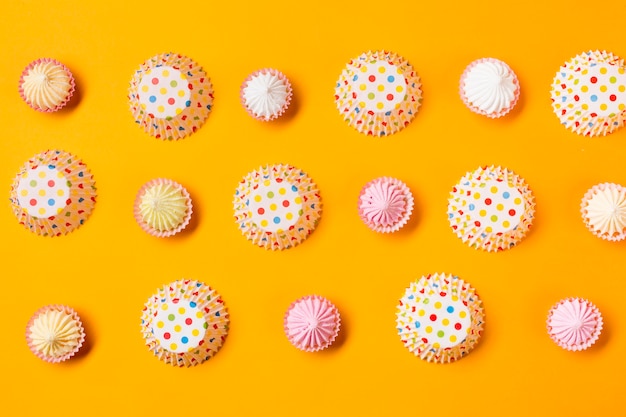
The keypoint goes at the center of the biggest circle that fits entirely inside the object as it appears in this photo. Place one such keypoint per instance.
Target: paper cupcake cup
(603, 209)
(185, 323)
(574, 324)
(491, 209)
(170, 96)
(589, 93)
(489, 87)
(53, 193)
(266, 94)
(378, 93)
(385, 204)
(46, 85)
(440, 318)
(162, 207)
(312, 323)
(55, 333)
(277, 206)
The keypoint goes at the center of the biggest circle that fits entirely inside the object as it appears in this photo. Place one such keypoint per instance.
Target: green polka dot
(494, 218)
(370, 96)
(576, 81)
(426, 301)
(33, 183)
(270, 194)
(205, 325)
(171, 317)
(440, 333)
(173, 83)
(612, 80)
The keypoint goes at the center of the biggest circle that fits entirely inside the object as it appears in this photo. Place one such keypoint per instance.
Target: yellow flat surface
(109, 267)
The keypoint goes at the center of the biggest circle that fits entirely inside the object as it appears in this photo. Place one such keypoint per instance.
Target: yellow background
(109, 267)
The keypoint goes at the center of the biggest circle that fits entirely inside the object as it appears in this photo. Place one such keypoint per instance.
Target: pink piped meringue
(385, 204)
(574, 324)
(312, 323)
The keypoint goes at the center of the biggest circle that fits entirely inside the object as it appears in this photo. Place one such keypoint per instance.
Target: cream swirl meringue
(46, 85)
(604, 211)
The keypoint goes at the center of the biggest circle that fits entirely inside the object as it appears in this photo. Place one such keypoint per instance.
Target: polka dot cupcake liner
(440, 318)
(46, 85)
(53, 193)
(603, 210)
(170, 96)
(589, 93)
(277, 206)
(163, 207)
(185, 323)
(491, 209)
(378, 93)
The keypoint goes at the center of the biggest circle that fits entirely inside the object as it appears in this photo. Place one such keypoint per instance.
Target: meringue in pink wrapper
(574, 324)
(312, 323)
(385, 204)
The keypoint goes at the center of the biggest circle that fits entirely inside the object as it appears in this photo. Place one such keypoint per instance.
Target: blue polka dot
(356, 77)
(294, 188)
(391, 78)
(593, 98)
(417, 324)
(276, 220)
(188, 103)
(152, 99)
(506, 195)
(51, 202)
(450, 309)
(450, 215)
(184, 339)
(471, 207)
(192, 304)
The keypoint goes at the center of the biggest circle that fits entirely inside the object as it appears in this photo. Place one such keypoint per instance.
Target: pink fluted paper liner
(385, 204)
(312, 323)
(78, 342)
(60, 101)
(180, 224)
(574, 324)
(266, 94)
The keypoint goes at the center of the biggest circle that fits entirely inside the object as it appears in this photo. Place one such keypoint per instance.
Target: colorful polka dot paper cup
(378, 93)
(53, 193)
(277, 206)
(170, 96)
(440, 318)
(589, 93)
(491, 209)
(185, 323)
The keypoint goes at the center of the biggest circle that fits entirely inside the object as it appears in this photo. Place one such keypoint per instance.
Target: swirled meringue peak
(489, 87)
(385, 204)
(46, 85)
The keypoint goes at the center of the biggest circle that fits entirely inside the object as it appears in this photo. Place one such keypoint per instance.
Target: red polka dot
(433, 317)
(612, 97)
(458, 326)
(389, 97)
(511, 212)
(593, 80)
(189, 86)
(171, 101)
(285, 203)
(372, 78)
(188, 321)
(424, 340)
(68, 202)
(51, 183)
(33, 202)
(261, 210)
(166, 336)
(576, 98)
(155, 81)
(477, 223)
(488, 201)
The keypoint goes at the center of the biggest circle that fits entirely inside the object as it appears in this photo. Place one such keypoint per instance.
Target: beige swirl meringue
(46, 85)
(163, 205)
(55, 333)
(604, 211)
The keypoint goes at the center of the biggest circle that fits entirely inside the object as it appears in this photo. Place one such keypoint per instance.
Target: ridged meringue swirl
(266, 94)
(312, 323)
(574, 324)
(55, 333)
(46, 84)
(163, 206)
(489, 86)
(606, 210)
(383, 203)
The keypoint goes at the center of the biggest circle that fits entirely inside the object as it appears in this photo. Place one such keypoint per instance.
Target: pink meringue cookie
(385, 204)
(574, 324)
(312, 323)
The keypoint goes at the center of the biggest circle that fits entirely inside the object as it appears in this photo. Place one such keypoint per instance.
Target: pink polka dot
(51, 183)
(155, 81)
